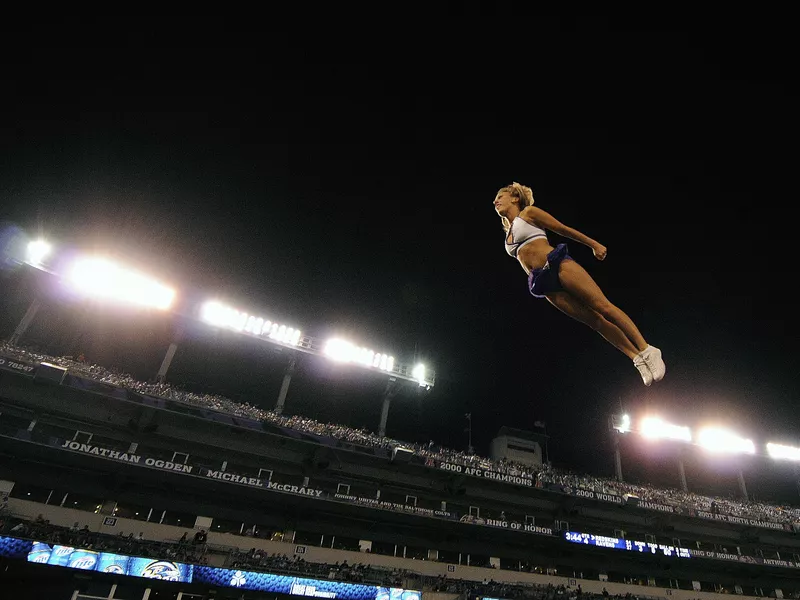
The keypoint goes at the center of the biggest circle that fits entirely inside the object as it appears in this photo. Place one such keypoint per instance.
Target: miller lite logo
(83, 562)
(162, 569)
(39, 557)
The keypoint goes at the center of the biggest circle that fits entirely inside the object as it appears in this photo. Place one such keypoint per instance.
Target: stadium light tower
(35, 254)
(786, 453)
(618, 425)
(651, 428)
(98, 278)
(337, 349)
(722, 441)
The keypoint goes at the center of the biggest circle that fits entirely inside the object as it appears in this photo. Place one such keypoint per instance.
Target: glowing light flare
(782, 452)
(38, 250)
(104, 279)
(418, 373)
(343, 351)
(655, 428)
(622, 423)
(220, 315)
(339, 350)
(723, 441)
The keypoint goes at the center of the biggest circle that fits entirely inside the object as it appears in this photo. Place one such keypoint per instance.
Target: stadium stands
(295, 497)
(666, 498)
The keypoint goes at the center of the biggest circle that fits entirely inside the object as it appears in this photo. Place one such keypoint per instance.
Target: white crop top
(520, 233)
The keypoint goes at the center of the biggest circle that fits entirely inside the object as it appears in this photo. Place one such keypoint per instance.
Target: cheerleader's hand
(599, 251)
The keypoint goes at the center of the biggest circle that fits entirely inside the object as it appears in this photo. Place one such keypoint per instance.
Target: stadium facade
(120, 463)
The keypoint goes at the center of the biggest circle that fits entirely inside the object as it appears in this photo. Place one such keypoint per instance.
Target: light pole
(37, 251)
(470, 449)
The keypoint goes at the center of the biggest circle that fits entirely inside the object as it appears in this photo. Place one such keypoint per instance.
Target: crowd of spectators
(194, 549)
(40, 529)
(430, 451)
(282, 564)
(677, 499)
(488, 588)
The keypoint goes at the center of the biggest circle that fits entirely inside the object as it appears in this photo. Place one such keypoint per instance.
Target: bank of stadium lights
(340, 350)
(652, 428)
(101, 278)
(217, 314)
(713, 439)
(655, 428)
(221, 315)
(782, 452)
(722, 441)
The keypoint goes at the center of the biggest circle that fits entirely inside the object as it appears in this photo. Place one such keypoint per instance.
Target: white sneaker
(640, 363)
(652, 356)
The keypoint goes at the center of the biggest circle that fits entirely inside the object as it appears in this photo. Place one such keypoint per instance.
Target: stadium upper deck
(662, 500)
(267, 457)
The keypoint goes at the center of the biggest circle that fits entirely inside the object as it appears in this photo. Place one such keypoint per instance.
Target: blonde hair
(522, 193)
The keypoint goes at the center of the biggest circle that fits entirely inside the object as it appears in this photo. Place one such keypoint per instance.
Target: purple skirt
(545, 280)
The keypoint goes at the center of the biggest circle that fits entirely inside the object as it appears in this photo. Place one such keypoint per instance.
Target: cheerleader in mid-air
(553, 274)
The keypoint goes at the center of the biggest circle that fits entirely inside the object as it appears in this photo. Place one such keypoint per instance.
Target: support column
(742, 486)
(617, 458)
(797, 477)
(25, 322)
(162, 371)
(388, 394)
(682, 474)
(173, 348)
(287, 379)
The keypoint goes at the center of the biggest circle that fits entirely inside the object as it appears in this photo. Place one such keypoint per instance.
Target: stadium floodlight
(621, 423)
(341, 350)
(418, 373)
(723, 441)
(221, 315)
(38, 250)
(782, 452)
(655, 428)
(104, 279)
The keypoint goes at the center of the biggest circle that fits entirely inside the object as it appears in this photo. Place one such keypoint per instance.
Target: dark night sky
(342, 181)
